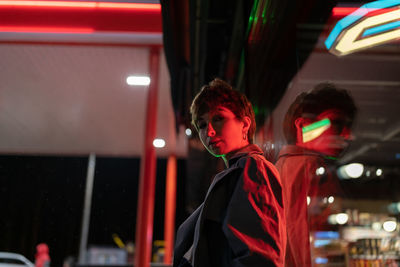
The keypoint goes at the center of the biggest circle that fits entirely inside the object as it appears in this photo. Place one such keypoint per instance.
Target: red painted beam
(67, 17)
(170, 208)
(145, 215)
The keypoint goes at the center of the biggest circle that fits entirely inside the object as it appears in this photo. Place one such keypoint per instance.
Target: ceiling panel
(71, 99)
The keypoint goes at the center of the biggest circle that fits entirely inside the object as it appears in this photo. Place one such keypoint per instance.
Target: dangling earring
(244, 136)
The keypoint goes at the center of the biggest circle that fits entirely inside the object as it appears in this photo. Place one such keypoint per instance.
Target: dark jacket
(241, 221)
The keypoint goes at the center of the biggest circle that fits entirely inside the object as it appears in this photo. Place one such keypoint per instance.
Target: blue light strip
(320, 260)
(342, 24)
(356, 15)
(381, 28)
(327, 235)
(322, 242)
(382, 4)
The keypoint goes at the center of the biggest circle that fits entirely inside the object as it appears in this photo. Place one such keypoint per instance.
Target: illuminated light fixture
(359, 31)
(188, 132)
(331, 199)
(308, 200)
(327, 235)
(377, 226)
(76, 30)
(312, 131)
(381, 28)
(342, 218)
(320, 171)
(159, 143)
(389, 226)
(138, 80)
(379, 172)
(353, 170)
(320, 260)
(80, 5)
(332, 219)
(321, 242)
(344, 11)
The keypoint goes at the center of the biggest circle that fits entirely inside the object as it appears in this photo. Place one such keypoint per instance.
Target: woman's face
(335, 138)
(221, 132)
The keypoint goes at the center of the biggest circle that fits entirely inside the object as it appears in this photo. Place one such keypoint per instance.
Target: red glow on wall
(79, 17)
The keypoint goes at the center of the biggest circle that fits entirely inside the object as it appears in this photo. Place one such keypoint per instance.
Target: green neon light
(252, 16)
(315, 125)
(263, 16)
(330, 157)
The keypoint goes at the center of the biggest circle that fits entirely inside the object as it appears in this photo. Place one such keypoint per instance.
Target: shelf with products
(328, 249)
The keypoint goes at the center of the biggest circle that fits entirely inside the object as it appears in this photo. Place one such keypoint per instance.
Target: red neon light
(344, 11)
(80, 5)
(46, 29)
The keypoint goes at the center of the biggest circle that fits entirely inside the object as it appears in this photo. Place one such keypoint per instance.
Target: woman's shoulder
(258, 163)
(255, 158)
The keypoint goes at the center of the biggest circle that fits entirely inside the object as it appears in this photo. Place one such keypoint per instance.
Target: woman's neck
(229, 155)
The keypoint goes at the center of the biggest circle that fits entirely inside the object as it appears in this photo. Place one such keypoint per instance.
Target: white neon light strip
(348, 43)
(356, 15)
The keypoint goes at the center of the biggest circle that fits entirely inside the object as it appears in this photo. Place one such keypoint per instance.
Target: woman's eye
(218, 118)
(202, 125)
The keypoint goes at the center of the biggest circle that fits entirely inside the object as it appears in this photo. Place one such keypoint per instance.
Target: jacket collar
(250, 149)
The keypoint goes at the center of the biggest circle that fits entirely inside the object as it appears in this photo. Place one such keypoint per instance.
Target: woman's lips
(214, 144)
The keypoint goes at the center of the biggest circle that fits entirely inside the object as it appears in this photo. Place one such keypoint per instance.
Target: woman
(241, 221)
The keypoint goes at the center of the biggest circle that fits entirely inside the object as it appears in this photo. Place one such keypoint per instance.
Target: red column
(144, 218)
(170, 206)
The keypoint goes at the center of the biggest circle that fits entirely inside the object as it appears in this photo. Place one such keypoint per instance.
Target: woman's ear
(246, 124)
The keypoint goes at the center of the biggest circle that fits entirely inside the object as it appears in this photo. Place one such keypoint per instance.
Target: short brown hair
(322, 97)
(220, 93)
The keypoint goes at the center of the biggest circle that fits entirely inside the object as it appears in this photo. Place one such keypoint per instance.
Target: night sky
(41, 200)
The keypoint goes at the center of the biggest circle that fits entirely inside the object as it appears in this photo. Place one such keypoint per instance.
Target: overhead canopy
(63, 81)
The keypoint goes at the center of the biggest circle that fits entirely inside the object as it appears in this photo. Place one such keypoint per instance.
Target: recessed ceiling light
(159, 143)
(138, 80)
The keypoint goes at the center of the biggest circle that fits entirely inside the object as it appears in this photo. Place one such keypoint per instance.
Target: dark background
(41, 200)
